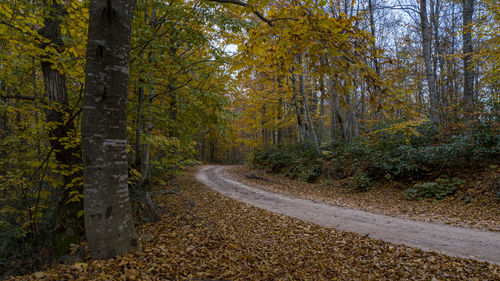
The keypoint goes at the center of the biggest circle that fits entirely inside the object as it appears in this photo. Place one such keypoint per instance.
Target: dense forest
(103, 101)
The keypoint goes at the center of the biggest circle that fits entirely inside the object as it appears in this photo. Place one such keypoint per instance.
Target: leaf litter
(387, 198)
(206, 236)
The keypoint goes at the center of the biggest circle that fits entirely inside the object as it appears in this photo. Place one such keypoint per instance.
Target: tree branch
(11, 26)
(17, 97)
(243, 4)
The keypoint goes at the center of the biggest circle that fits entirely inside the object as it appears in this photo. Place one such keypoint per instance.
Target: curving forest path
(449, 240)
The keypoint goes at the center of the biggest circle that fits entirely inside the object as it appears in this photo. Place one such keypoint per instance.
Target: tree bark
(468, 49)
(373, 46)
(145, 168)
(138, 130)
(307, 109)
(59, 115)
(279, 116)
(108, 221)
(145, 173)
(298, 109)
(321, 122)
(427, 54)
(4, 128)
(334, 106)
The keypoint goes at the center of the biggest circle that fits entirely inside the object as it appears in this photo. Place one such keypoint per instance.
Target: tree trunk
(138, 130)
(373, 46)
(108, 221)
(148, 128)
(468, 49)
(59, 115)
(263, 125)
(280, 121)
(334, 105)
(298, 110)
(4, 128)
(212, 151)
(321, 122)
(427, 54)
(308, 111)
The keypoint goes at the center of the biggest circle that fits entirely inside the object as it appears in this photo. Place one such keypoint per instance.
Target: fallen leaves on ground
(206, 236)
(386, 197)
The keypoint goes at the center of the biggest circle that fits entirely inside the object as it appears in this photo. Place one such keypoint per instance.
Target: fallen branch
(151, 207)
(257, 177)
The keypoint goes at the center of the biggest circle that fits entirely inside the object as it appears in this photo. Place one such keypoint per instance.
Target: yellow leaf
(81, 266)
(39, 274)
(80, 213)
(134, 172)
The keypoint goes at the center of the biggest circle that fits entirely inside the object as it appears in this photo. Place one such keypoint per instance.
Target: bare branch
(17, 97)
(243, 4)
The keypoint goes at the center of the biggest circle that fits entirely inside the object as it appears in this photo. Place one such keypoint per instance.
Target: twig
(151, 207)
(254, 176)
(243, 4)
(17, 97)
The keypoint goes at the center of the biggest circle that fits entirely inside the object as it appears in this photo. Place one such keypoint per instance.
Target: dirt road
(453, 241)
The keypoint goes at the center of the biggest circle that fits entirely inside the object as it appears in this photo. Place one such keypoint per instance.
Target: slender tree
(427, 54)
(61, 117)
(468, 48)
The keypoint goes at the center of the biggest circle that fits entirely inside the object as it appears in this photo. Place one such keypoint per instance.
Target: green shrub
(360, 182)
(399, 156)
(299, 161)
(27, 242)
(416, 156)
(272, 159)
(438, 189)
(325, 183)
(310, 174)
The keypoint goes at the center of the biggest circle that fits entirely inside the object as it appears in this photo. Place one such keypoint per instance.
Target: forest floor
(481, 211)
(205, 235)
(454, 241)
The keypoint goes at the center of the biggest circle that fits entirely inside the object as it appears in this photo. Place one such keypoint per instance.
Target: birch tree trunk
(108, 221)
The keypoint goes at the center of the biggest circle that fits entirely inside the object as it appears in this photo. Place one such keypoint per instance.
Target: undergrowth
(428, 157)
(438, 189)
